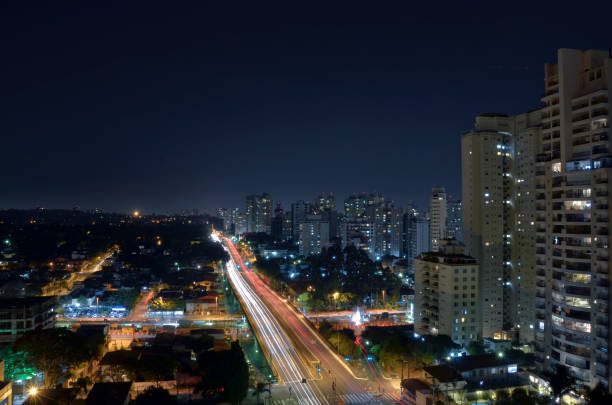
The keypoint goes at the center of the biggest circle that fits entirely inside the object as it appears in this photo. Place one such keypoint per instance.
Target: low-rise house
(416, 392)
(201, 305)
(445, 381)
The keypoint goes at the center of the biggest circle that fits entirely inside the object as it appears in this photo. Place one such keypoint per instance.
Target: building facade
(387, 230)
(573, 217)
(19, 315)
(453, 219)
(259, 213)
(446, 293)
(437, 217)
(314, 235)
(498, 226)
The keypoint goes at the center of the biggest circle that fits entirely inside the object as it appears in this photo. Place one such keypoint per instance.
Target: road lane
(336, 379)
(284, 356)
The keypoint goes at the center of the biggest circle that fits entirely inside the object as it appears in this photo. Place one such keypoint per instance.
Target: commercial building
(19, 315)
(446, 293)
(573, 173)
(437, 217)
(259, 213)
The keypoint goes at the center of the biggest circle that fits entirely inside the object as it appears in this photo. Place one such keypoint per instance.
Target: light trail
(283, 354)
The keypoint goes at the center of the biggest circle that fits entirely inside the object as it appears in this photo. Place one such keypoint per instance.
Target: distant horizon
(285, 206)
(199, 105)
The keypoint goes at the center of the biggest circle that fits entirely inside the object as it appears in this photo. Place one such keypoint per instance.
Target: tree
(238, 385)
(155, 395)
(503, 398)
(560, 380)
(53, 351)
(82, 383)
(260, 388)
(599, 395)
(521, 397)
(157, 368)
(224, 374)
(475, 348)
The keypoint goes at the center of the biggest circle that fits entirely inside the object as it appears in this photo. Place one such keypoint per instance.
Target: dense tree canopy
(352, 274)
(55, 352)
(224, 374)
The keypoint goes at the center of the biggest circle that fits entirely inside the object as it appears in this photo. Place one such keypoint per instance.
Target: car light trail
(283, 354)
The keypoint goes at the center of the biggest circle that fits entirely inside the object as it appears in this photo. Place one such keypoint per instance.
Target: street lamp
(32, 391)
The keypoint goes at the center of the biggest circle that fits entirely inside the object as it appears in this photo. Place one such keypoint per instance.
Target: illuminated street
(292, 342)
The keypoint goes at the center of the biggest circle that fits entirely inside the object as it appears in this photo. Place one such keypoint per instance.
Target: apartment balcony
(580, 106)
(600, 137)
(579, 266)
(582, 141)
(599, 113)
(600, 149)
(576, 255)
(581, 292)
(583, 340)
(584, 129)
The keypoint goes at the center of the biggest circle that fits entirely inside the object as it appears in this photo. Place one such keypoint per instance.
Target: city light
(32, 391)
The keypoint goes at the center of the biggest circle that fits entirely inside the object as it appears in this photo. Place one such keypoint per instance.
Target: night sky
(142, 106)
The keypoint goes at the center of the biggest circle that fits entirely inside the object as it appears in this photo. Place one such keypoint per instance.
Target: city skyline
(264, 98)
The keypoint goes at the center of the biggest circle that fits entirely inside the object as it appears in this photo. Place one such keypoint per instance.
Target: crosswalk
(348, 399)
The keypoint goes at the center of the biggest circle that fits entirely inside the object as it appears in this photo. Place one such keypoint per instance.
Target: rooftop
(414, 384)
(443, 373)
(60, 396)
(6, 303)
(115, 393)
(468, 363)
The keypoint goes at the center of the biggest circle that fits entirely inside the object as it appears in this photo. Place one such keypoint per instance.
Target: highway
(285, 360)
(336, 383)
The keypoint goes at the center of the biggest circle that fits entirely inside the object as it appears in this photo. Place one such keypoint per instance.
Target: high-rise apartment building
(259, 213)
(387, 230)
(287, 225)
(359, 233)
(573, 197)
(355, 207)
(422, 234)
(437, 217)
(325, 202)
(225, 216)
(498, 218)
(299, 210)
(415, 234)
(314, 235)
(446, 293)
(453, 219)
(240, 222)
(408, 247)
(277, 224)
